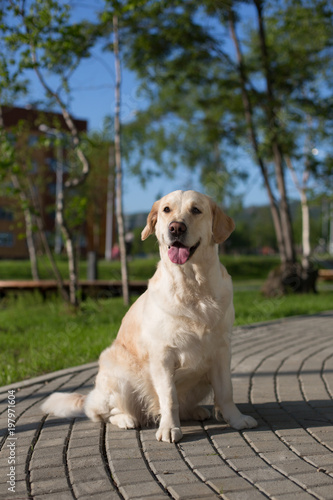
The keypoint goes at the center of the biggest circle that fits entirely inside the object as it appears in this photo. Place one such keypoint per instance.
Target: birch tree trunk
(119, 174)
(306, 246)
(285, 218)
(45, 243)
(28, 219)
(248, 112)
(109, 207)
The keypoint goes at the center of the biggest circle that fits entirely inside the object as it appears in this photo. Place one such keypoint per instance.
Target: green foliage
(42, 36)
(189, 74)
(299, 38)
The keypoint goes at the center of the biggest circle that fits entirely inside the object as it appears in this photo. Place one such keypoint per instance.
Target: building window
(11, 138)
(32, 140)
(5, 214)
(34, 167)
(6, 240)
(52, 164)
(52, 189)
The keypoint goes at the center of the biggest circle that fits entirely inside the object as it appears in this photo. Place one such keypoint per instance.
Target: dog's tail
(65, 405)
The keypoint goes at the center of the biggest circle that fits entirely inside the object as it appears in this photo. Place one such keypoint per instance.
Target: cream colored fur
(173, 346)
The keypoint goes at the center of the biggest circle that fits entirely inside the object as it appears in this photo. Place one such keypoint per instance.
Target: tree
(302, 71)
(182, 53)
(44, 40)
(118, 159)
(115, 11)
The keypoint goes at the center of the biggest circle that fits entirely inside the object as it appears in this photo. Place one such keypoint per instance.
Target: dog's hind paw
(169, 435)
(124, 421)
(243, 422)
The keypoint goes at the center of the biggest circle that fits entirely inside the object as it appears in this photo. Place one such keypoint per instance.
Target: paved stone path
(282, 374)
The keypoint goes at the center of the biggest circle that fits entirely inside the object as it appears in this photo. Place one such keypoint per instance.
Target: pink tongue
(178, 255)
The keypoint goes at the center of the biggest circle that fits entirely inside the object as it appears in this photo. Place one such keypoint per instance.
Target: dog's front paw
(243, 422)
(169, 435)
(124, 421)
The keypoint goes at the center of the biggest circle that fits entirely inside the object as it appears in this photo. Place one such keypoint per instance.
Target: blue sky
(93, 98)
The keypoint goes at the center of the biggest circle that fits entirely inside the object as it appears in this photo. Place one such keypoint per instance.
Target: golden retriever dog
(173, 346)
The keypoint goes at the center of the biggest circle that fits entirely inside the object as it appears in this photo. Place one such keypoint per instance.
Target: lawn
(39, 336)
(249, 266)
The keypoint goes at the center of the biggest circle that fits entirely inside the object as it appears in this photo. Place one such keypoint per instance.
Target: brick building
(24, 128)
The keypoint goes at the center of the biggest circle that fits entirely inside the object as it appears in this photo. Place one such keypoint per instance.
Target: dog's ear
(223, 225)
(151, 221)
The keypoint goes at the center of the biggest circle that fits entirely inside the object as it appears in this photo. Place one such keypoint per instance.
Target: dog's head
(184, 221)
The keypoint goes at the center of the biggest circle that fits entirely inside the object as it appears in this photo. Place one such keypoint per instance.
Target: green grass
(240, 267)
(139, 269)
(39, 336)
(252, 307)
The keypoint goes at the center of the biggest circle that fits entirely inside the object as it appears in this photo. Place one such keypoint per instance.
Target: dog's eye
(195, 211)
(166, 210)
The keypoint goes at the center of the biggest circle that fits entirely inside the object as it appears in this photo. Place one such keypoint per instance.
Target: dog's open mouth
(179, 253)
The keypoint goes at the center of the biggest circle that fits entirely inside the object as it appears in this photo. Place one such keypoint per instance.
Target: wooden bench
(99, 288)
(325, 274)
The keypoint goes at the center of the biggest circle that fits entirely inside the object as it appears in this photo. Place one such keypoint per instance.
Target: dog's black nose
(177, 228)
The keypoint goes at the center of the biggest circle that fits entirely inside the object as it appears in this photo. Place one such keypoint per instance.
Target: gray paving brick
(125, 453)
(294, 496)
(322, 460)
(295, 466)
(49, 472)
(245, 495)
(242, 451)
(227, 484)
(276, 457)
(262, 474)
(191, 491)
(140, 491)
(316, 478)
(87, 442)
(108, 495)
(93, 487)
(80, 451)
(278, 487)
(137, 476)
(211, 473)
(48, 460)
(49, 486)
(242, 464)
(61, 495)
(127, 464)
(204, 460)
(85, 461)
(20, 490)
(324, 491)
(50, 443)
(87, 474)
(175, 478)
